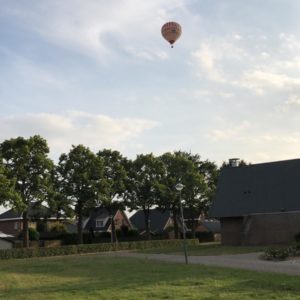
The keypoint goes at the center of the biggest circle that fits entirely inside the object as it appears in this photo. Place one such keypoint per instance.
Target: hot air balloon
(171, 31)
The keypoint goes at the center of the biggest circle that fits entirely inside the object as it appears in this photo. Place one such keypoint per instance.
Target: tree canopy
(28, 166)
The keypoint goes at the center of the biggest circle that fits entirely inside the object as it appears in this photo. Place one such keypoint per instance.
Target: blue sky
(100, 74)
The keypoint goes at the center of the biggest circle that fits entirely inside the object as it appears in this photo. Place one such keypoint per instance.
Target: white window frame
(16, 225)
(101, 221)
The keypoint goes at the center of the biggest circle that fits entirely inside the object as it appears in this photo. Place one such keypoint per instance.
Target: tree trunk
(79, 227)
(25, 230)
(193, 227)
(113, 230)
(147, 223)
(175, 221)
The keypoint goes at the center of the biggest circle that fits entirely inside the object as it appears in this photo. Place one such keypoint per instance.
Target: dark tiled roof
(158, 220)
(190, 214)
(35, 211)
(260, 188)
(212, 225)
(99, 213)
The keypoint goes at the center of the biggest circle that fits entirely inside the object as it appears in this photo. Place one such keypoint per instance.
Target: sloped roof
(212, 225)
(158, 220)
(259, 188)
(99, 213)
(35, 211)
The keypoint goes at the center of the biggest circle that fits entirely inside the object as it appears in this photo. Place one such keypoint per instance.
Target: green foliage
(41, 226)
(115, 178)
(279, 253)
(90, 248)
(27, 164)
(81, 180)
(297, 237)
(7, 188)
(57, 227)
(205, 236)
(144, 175)
(34, 235)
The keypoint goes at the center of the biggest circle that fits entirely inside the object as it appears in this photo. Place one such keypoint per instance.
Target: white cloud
(292, 104)
(96, 29)
(213, 55)
(62, 130)
(229, 133)
(265, 80)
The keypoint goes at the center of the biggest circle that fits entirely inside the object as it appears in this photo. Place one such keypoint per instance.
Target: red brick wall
(260, 229)
(120, 220)
(231, 230)
(8, 227)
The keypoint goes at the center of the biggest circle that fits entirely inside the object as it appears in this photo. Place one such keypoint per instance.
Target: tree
(176, 168)
(8, 193)
(115, 176)
(209, 174)
(145, 174)
(80, 174)
(28, 165)
(59, 203)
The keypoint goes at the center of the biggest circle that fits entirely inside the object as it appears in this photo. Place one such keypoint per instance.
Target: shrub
(297, 237)
(57, 227)
(90, 248)
(132, 232)
(41, 226)
(205, 236)
(281, 253)
(33, 234)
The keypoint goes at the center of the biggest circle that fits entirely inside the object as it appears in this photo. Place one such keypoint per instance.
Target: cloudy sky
(98, 72)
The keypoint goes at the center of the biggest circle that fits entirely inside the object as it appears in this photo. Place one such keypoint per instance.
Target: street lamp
(179, 187)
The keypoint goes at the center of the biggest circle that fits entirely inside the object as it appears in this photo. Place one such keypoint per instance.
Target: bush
(41, 226)
(132, 232)
(33, 234)
(205, 236)
(90, 248)
(279, 253)
(57, 227)
(297, 238)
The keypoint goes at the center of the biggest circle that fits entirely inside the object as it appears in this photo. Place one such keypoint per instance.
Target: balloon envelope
(171, 32)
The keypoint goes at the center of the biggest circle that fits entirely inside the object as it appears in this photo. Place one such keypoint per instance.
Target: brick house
(258, 204)
(161, 222)
(99, 220)
(11, 221)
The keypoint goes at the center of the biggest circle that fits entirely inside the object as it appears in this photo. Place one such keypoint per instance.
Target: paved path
(249, 261)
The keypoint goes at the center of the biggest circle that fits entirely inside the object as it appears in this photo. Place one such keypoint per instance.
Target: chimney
(234, 162)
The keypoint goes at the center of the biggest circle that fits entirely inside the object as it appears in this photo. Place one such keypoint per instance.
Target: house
(258, 204)
(99, 220)
(6, 241)
(161, 222)
(11, 221)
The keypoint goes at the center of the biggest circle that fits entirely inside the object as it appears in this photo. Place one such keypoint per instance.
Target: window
(99, 223)
(16, 225)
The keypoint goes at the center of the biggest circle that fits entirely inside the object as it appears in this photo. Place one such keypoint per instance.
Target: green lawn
(206, 249)
(100, 277)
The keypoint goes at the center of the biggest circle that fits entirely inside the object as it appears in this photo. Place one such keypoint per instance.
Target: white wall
(5, 244)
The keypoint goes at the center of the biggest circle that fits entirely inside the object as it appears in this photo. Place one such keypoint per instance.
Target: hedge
(90, 248)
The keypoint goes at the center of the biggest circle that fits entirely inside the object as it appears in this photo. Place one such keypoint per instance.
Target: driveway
(249, 261)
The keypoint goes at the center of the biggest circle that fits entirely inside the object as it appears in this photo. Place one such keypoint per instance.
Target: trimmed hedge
(90, 248)
(279, 253)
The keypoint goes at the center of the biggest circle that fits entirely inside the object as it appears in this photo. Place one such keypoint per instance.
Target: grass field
(206, 249)
(101, 277)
